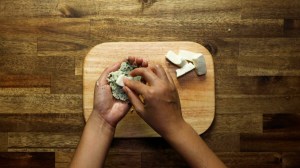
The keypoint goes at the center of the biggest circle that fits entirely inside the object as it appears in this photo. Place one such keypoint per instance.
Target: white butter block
(200, 65)
(175, 59)
(120, 79)
(185, 69)
(188, 55)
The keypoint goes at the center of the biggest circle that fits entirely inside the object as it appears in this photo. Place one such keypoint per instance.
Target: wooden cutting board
(197, 93)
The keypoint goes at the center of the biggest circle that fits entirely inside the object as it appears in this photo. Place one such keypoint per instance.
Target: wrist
(177, 130)
(98, 121)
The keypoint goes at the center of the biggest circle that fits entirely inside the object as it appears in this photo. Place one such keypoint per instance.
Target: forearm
(94, 143)
(193, 149)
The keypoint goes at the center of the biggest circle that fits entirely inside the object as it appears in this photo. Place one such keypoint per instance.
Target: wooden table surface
(256, 50)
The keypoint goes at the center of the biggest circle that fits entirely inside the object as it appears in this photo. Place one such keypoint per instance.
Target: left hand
(105, 105)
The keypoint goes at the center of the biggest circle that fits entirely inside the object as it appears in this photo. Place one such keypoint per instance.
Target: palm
(105, 105)
(109, 108)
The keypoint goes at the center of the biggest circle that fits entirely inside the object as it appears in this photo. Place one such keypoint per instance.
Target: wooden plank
(28, 8)
(25, 159)
(23, 141)
(64, 27)
(79, 65)
(139, 145)
(288, 122)
(18, 91)
(290, 160)
(228, 83)
(19, 29)
(63, 157)
(29, 29)
(63, 84)
(94, 9)
(62, 165)
(40, 103)
(17, 47)
(270, 142)
(10, 81)
(269, 47)
(67, 46)
(21, 65)
(292, 27)
(61, 65)
(51, 122)
(209, 10)
(269, 57)
(222, 49)
(79, 9)
(251, 159)
(271, 9)
(191, 88)
(3, 141)
(119, 159)
(162, 159)
(272, 66)
(267, 104)
(164, 29)
(237, 123)
(113, 159)
(222, 142)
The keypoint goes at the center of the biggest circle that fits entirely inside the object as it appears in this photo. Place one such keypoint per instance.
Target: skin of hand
(161, 108)
(105, 105)
(100, 127)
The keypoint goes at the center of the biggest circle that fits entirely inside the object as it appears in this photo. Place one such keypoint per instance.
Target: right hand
(161, 108)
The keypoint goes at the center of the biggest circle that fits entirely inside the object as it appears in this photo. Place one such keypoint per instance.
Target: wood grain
(41, 103)
(24, 141)
(269, 104)
(27, 122)
(3, 141)
(162, 29)
(21, 81)
(290, 159)
(239, 123)
(251, 159)
(281, 122)
(191, 88)
(48, 65)
(270, 142)
(292, 27)
(27, 159)
(162, 159)
(270, 9)
(282, 61)
(66, 84)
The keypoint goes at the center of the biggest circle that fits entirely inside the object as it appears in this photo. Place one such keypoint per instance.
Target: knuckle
(151, 92)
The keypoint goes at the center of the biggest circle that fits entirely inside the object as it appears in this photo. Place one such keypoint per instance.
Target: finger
(136, 86)
(146, 73)
(170, 78)
(141, 62)
(161, 72)
(145, 63)
(138, 61)
(102, 79)
(134, 99)
(131, 60)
